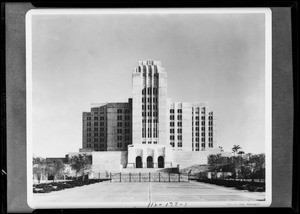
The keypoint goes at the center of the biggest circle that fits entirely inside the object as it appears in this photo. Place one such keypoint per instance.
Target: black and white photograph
(149, 108)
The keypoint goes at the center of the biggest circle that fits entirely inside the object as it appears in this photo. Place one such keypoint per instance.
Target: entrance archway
(161, 162)
(138, 162)
(149, 162)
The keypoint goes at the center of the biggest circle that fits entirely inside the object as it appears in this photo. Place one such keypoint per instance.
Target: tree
(81, 164)
(217, 162)
(39, 167)
(235, 149)
(56, 168)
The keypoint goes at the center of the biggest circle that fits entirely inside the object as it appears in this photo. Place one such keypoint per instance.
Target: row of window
(179, 144)
(149, 142)
(127, 117)
(179, 117)
(120, 111)
(197, 139)
(95, 123)
(179, 137)
(202, 144)
(149, 121)
(95, 139)
(95, 129)
(119, 131)
(172, 111)
(120, 124)
(120, 137)
(149, 91)
(155, 114)
(154, 99)
(95, 145)
(149, 107)
(95, 118)
(179, 124)
(172, 131)
(210, 145)
(95, 134)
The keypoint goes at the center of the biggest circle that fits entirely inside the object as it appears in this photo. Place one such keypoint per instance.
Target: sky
(82, 59)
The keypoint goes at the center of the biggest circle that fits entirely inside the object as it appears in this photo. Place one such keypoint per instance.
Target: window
(89, 140)
(88, 118)
(172, 131)
(179, 131)
(179, 117)
(144, 142)
(197, 117)
(127, 124)
(96, 145)
(101, 118)
(102, 134)
(119, 131)
(89, 129)
(202, 118)
(95, 123)
(202, 139)
(119, 124)
(197, 123)
(179, 137)
(179, 144)
(96, 140)
(127, 137)
(179, 111)
(119, 137)
(96, 129)
(127, 111)
(155, 142)
(179, 124)
(127, 117)
(119, 145)
(89, 134)
(197, 139)
(172, 137)
(172, 111)
(202, 128)
(119, 111)
(203, 134)
(171, 117)
(127, 131)
(101, 145)
(88, 123)
(119, 117)
(101, 129)
(203, 145)
(101, 139)
(96, 118)
(101, 123)
(197, 128)
(149, 142)
(95, 134)
(203, 123)
(197, 134)
(172, 144)
(172, 124)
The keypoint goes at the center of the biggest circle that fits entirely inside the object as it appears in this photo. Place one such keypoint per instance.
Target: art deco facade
(148, 118)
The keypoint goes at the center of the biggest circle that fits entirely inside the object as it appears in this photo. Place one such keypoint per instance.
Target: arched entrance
(149, 162)
(138, 162)
(161, 162)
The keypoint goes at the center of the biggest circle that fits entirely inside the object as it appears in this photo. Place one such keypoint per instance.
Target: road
(148, 192)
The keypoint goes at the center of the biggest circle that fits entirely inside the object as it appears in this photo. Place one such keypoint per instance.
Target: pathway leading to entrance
(148, 192)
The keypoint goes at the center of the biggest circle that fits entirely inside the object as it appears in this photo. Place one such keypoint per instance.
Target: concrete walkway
(148, 192)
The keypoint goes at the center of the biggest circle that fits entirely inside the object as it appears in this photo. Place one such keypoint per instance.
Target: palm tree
(221, 149)
(235, 149)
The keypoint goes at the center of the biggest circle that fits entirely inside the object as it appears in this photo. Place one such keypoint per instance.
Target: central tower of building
(149, 104)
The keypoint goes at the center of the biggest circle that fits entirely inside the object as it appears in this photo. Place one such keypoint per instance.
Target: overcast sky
(84, 59)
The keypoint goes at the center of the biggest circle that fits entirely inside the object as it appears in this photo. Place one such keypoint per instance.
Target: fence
(147, 177)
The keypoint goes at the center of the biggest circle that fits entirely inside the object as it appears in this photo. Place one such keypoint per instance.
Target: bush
(56, 186)
(241, 185)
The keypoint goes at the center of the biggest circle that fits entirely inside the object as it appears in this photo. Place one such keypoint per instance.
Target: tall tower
(149, 104)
